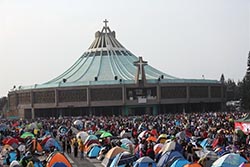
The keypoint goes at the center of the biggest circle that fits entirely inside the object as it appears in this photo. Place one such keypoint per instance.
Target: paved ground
(86, 162)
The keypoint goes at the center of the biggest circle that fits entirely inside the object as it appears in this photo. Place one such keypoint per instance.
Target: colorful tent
(106, 134)
(62, 130)
(57, 159)
(158, 147)
(166, 157)
(88, 143)
(122, 159)
(243, 124)
(90, 137)
(144, 161)
(229, 160)
(193, 165)
(171, 145)
(36, 146)
(11, 141)
(83, 135)
(27, 134)
(94, 151)
(111, 155)
(52, 143)
(180, 162)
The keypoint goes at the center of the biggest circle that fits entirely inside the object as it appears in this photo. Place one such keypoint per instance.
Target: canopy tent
(243, 124)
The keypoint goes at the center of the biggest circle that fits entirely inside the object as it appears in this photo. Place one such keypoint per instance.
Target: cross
(105, 22)
(140, 63)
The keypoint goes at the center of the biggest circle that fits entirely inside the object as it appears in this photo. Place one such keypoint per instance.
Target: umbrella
(229, 160)
(106, 134)
(99, 132)
(27, 134)
(83, 135)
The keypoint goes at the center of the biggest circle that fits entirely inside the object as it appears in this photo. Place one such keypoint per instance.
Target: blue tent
(180, 162)
(94, 151)
(169, 156)
(38, 164)
(229, 160)
(144, 161)
(52, 143)
(204, 143)
(122, 159)
(59, 164)
(12, 155)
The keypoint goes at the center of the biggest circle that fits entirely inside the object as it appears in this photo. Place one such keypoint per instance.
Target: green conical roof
(107, 61)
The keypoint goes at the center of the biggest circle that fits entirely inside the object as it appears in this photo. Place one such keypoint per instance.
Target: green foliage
(245, 87)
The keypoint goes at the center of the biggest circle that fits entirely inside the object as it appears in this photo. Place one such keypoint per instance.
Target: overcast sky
(40, 39)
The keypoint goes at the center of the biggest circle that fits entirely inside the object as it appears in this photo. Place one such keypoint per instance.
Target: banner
(244, 126)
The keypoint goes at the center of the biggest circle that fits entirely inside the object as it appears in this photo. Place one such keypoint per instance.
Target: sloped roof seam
(122, 68)
(87, 68)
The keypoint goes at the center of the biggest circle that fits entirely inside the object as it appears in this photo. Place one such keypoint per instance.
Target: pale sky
(40, 39)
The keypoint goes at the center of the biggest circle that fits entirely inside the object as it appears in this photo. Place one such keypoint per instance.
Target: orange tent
(245, 165)
(111, 154)
(36, 146)
(193, 165)
(57, 158)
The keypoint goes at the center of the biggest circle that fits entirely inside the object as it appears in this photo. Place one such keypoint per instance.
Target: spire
(105, 25)
(222, 78)
(140, 75)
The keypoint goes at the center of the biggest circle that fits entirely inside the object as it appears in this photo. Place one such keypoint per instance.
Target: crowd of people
(187, 130)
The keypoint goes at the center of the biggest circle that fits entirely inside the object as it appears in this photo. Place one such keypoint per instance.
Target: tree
(245, 87)
(248, 66)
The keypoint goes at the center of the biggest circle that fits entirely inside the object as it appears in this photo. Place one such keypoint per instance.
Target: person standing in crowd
(75, 147)
(81, 149)
(68, 145)
(18, 154)
(190, 152)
